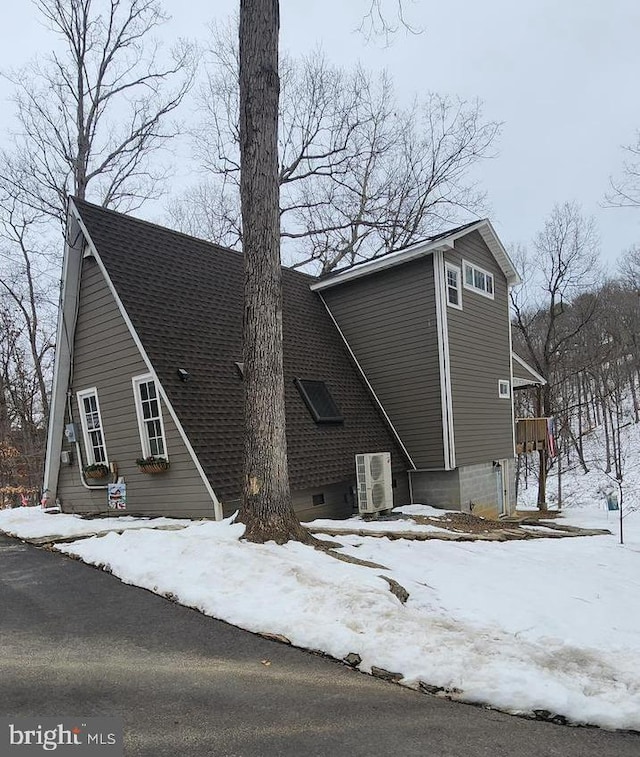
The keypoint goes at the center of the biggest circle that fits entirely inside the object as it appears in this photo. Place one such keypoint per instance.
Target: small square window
(317, 499)
(319, 401)
(504, 389)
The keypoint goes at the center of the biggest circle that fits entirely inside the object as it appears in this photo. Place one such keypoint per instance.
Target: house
(430, 328)
(408, 354)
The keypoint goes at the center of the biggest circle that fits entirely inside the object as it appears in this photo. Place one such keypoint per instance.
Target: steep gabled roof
(183, 297)
(426, 247)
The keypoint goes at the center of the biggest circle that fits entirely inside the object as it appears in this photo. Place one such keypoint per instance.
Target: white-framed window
(150, 424)
(454, 289)
(92, 430)
(478, 280)
(504, 389)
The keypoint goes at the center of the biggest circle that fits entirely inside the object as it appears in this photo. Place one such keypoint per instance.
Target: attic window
(478, 280)
(318, 399)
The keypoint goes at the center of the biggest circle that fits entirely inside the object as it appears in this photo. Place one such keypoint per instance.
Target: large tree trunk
(266, 505)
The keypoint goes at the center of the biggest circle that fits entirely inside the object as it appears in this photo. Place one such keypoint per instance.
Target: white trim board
(62, 368)
(444, 360)
(527, 367)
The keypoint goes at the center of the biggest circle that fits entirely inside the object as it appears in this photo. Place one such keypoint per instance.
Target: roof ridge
(424, 240)
(159, 226)
(165, 229)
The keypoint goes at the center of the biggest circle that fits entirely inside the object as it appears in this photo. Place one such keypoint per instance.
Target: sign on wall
(117, 496)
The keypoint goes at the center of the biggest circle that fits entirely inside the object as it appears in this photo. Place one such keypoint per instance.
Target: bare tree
(629, 268)
(378, 22)
(359, 175)
(549, 312)
(27, 314)
(93, 114)
(21, 420)
(90, 118)
(266, 508)
(625, 190)
(26, 282)
(617, 378)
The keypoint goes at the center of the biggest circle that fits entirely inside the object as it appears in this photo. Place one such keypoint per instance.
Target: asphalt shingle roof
(433, 238)
(184, 298)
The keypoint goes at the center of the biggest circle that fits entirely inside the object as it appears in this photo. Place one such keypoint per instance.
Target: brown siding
(480, 355)
(106, 357)
(389, 321)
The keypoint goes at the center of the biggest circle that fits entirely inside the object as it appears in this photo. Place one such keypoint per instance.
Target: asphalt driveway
(76, 641)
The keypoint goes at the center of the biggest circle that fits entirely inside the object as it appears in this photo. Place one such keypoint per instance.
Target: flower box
(152, 464)
(96, 470)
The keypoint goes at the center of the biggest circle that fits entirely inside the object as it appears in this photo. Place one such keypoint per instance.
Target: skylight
(318, 399)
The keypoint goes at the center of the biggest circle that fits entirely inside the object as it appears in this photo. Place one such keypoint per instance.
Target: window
(454, 295)
(319, 401)
(91, 421)
(149, 417)
(478, 280)
(504, 389)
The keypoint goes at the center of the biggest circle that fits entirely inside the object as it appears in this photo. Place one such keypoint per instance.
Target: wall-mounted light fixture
(183, 374)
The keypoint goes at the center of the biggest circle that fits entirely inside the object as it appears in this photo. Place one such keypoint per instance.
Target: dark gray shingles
(184, 298)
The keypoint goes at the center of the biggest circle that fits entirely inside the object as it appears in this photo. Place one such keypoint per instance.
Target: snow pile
(547, 624)
(523, 626)
(35, 523)
(404, 523)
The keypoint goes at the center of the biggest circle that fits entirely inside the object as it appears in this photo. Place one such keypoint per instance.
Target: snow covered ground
(522, 626)
(32, 523)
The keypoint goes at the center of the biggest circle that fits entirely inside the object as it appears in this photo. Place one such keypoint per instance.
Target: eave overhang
(423, 249)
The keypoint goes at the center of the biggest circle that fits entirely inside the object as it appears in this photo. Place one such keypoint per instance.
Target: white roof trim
(527, 367)
(422, 249)
(67, 311)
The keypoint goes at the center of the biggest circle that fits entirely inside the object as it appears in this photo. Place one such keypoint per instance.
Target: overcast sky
(562, 75)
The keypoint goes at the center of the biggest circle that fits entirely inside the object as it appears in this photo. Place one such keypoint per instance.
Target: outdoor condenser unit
(375, 486)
